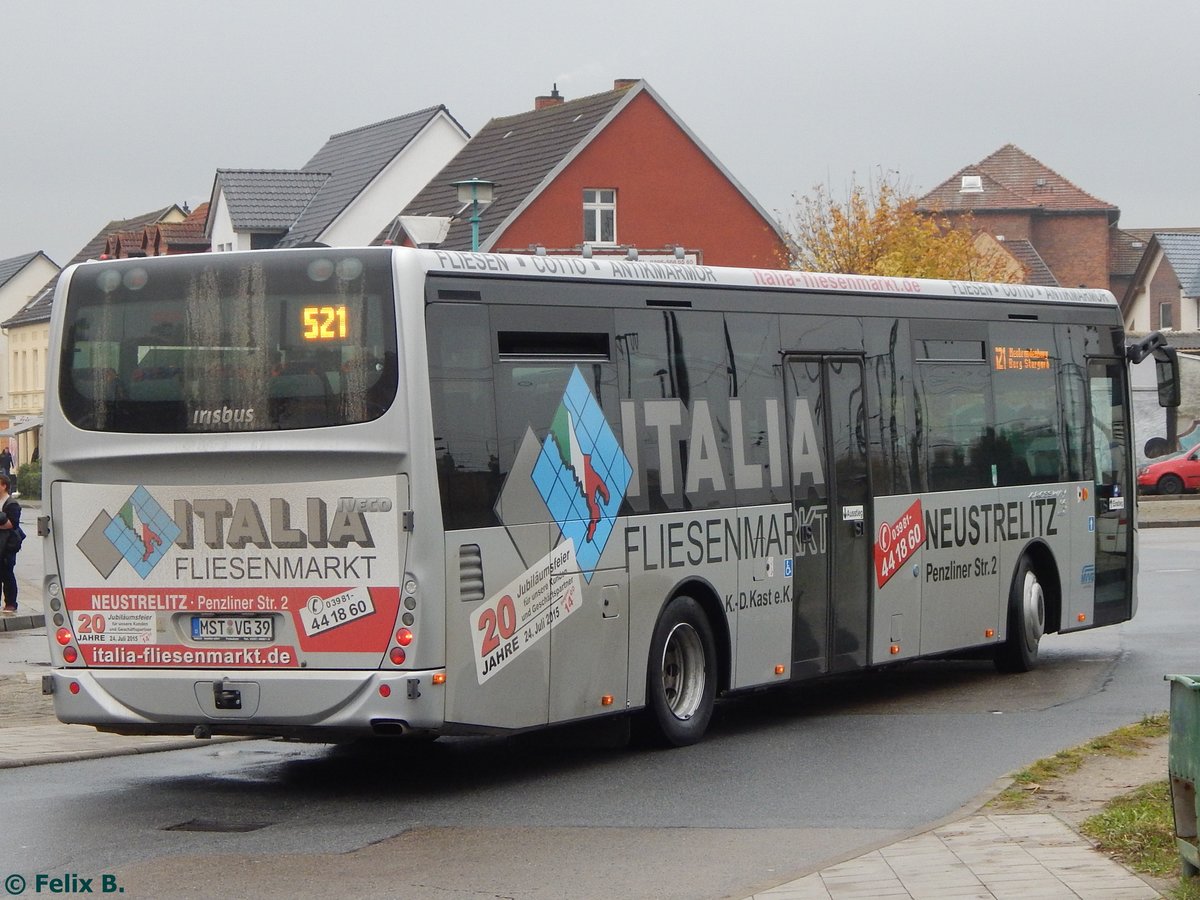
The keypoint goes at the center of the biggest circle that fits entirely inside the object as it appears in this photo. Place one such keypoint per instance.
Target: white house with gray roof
(344, 196)
(1164, 293)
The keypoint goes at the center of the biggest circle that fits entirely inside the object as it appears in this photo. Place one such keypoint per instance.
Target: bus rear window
(230, 342)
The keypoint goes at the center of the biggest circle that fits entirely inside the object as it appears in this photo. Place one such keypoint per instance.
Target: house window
(1164, 316)
(600, 216)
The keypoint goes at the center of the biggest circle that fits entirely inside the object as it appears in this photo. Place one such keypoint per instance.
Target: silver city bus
(334, 492)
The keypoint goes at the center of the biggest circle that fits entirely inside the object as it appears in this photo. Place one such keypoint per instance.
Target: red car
(1172, 475)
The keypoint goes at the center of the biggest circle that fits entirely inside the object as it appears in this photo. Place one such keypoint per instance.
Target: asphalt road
(785, 782)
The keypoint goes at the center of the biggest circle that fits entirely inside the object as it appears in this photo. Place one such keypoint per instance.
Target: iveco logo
(364, 504)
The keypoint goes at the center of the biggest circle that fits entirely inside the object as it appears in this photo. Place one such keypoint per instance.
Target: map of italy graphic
(141, 531)
(149, 538)
(590, 484)
(581, 473)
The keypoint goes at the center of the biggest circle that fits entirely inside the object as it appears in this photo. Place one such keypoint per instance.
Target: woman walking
(10, 542)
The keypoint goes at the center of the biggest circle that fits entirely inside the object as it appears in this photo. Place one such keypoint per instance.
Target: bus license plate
(233, 628)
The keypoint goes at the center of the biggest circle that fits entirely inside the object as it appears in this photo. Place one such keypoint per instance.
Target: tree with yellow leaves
(879, 231)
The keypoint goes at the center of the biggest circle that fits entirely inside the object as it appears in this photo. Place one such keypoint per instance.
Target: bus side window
(1027, 416)
(464, 413)
(959, 448)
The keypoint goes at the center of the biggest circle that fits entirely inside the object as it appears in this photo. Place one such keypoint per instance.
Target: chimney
(623, 84)
(546, 101)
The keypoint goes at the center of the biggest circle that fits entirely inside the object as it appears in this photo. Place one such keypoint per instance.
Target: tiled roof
(189, 236)
(1183, 341)
(38, 308)
(1036, 270)
(267, 199)
(199, 214)
(517, 153)
(10, 267)
(994, 196)
(177, 233)
(93, 248)
(1126, 248)
(354, 159)
(1013, 179)
(1183, 252)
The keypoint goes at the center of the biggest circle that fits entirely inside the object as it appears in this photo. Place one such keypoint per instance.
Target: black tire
(1170, 484)
(681, 678)
(1026, 621)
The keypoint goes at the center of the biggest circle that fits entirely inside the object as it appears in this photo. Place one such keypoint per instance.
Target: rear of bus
(226, 478)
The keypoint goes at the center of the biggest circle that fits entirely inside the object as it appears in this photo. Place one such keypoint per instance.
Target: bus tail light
(894, 649)
(780, 669)
(438, 678)
(989, 632)
(404, 637)
(397, 656)
(63, 636)
(73, 687)
(70, 654)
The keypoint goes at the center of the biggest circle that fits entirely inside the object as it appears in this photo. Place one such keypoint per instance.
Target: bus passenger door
(1115, 492)
(830, 499)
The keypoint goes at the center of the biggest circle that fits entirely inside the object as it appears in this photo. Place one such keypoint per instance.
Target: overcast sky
(110, 110)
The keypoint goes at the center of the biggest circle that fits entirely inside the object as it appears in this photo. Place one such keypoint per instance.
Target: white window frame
(1166, 312)
(596, 203)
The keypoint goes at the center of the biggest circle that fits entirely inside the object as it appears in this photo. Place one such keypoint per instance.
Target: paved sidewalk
(988, 857)
(1166, 512)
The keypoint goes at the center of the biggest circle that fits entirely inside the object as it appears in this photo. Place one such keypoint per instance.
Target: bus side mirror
(1166, 365)
(1151, 343)
(1166, 368)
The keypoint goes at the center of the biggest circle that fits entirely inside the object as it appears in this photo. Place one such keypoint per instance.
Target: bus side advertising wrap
(261, 576)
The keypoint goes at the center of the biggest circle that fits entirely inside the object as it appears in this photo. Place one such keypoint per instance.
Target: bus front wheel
(1026, 621)
(681, 680)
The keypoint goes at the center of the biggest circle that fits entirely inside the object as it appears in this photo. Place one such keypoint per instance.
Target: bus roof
(655, 271)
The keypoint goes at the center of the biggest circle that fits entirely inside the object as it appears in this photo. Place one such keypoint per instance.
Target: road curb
(135, 746)
(21, 623)
(81, 755)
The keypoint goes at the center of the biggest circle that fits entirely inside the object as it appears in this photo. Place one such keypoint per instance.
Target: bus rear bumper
(310, 705)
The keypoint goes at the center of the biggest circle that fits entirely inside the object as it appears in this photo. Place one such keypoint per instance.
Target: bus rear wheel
(681, 680)
(1026, 621)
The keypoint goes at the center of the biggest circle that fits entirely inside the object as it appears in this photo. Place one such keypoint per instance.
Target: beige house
(21, 278)
(27, 327)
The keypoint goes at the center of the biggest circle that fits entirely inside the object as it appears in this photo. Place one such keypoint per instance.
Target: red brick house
(615, 171)
(1044, 220)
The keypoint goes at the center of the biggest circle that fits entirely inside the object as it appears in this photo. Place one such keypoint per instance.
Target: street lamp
(475, 191)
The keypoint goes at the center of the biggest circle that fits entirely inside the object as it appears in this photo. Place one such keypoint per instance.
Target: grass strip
(1125, 741)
